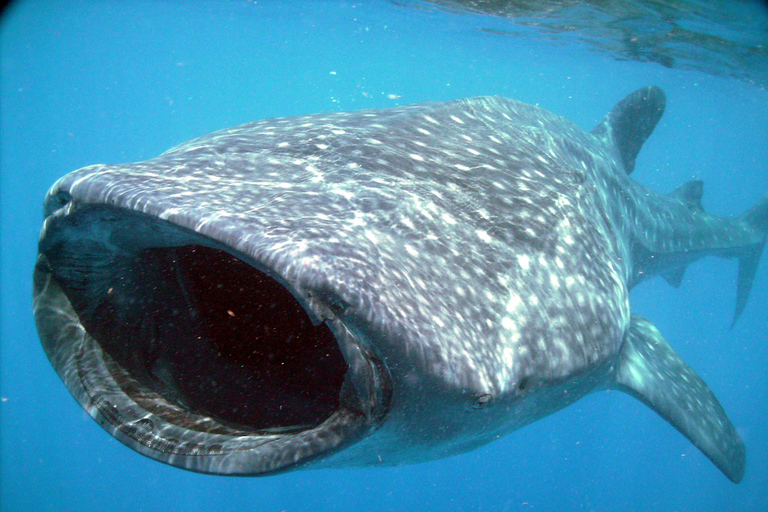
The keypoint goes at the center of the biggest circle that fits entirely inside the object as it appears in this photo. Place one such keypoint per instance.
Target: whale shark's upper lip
(191, 352)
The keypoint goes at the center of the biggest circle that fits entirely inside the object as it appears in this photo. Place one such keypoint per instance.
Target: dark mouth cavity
(207, 332)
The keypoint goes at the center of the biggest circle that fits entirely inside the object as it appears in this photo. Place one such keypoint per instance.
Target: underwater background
(86, 82)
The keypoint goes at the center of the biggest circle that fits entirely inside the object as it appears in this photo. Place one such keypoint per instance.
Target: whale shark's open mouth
(189, 354)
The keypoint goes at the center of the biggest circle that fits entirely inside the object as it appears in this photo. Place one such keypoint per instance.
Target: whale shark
(378, 287)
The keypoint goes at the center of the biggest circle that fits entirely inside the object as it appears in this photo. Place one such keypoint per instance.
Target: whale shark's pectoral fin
(651, 371)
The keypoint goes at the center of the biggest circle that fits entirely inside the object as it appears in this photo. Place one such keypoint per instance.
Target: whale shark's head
(428, 277)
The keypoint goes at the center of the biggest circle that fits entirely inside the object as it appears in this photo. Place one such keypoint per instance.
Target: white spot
(508, 356)
(514, 303)
(346, 194)
(524, 261)
(413, 252)
(359, 220)
(448, 219)
(456, 119)
(483, 235)
(416, 157)
(636, 375)
(507, 323)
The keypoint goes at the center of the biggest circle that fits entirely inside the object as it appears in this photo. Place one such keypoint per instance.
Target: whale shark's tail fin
(626, 128)
(650, 370)
(757, 219)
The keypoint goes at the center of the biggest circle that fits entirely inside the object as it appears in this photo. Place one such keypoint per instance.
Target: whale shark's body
(375, 287)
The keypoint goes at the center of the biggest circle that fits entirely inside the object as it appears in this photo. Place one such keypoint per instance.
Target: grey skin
(375, 287)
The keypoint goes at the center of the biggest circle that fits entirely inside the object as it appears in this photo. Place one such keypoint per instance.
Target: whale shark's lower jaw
(193, 356)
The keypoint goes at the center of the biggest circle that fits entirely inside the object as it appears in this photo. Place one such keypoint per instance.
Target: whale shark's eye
(55, 202)
(62, 198)
(482, 401)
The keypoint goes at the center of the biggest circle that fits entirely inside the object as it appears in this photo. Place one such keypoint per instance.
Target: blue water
(100, 82)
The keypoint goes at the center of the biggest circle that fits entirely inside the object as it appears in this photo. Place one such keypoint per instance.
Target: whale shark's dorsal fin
(629, 124)
(650, 370)
(690, 194)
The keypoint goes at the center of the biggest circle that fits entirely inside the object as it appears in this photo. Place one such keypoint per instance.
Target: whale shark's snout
(180, 346)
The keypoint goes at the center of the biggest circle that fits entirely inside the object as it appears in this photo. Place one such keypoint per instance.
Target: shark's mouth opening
(216, 336)
(189, 354)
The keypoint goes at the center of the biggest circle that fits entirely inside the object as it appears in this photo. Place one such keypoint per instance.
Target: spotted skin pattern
(483, 249)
